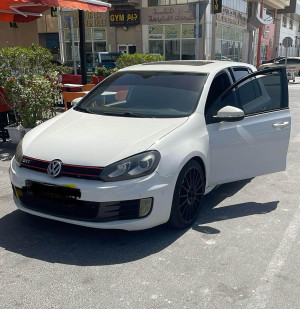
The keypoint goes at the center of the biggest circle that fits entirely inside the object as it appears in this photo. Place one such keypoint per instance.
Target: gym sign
(124, 18)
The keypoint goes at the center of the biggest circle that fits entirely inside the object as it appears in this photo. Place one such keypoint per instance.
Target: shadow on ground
(210, 213)
(7, 151)
(57, 242)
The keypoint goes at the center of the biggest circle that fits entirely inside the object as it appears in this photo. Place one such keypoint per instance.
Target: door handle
(280, 125)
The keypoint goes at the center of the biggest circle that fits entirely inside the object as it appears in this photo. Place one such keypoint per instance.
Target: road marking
(262, 294)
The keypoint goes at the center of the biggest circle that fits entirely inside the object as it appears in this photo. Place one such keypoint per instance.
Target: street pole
(197, 45)
(259, 37)
(73, 45)
(82, 47)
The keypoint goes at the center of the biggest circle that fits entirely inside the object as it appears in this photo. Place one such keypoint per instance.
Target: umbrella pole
(82, 47)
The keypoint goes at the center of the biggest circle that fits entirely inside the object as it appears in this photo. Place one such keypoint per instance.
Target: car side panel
(248, 148)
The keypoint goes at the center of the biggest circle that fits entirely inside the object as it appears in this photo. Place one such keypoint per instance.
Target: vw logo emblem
(54, 168)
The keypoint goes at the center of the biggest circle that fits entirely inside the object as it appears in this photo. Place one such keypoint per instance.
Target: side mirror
(76, 101)
(230, 114)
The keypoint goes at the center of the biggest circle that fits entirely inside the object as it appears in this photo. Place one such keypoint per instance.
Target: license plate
(53, 192)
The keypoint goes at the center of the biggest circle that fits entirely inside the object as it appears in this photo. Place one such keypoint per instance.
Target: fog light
(145, 207)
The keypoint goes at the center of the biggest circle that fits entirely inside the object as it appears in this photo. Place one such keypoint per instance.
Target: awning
(21, 11)
(84, 5)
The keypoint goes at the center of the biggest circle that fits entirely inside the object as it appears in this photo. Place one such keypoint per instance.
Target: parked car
(144, 146)
(271, 60)
(107, 59)
(291, 62)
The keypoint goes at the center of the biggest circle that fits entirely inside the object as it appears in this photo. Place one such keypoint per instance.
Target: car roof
(193, 66)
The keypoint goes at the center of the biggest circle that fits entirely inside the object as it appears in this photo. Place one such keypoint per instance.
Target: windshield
(145, 94)
(109, 57)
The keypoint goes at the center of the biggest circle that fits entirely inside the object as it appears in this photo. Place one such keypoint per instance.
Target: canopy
(28, 10)
(20, 11)
(84, 5)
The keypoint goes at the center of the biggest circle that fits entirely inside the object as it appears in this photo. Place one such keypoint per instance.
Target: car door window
(238, 73)
(220, 83)
(259, 93)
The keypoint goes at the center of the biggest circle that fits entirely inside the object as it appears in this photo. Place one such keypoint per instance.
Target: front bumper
(154, 186)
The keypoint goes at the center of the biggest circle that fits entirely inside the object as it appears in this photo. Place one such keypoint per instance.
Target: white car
(144, 146)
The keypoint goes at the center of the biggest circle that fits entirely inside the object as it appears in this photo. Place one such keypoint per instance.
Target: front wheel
(187, 196)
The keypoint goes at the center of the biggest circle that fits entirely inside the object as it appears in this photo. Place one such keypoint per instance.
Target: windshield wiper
(125, 114)
(84, 110)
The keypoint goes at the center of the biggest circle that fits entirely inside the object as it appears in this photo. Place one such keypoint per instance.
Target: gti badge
(54, 168)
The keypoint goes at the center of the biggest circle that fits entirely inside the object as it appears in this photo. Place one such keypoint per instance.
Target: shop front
(169, 31)
(231, 32)
(95, 37)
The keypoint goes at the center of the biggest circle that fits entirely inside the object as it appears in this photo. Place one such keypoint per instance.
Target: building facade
(176, 29)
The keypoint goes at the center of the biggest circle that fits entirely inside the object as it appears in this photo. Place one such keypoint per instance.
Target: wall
(24, 35)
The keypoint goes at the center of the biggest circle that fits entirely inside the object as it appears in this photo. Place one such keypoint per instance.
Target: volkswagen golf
(143, 147)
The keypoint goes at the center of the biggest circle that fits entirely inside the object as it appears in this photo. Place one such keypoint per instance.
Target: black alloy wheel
(187, 196)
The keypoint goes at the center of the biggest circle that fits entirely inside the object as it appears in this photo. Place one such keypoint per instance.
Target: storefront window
(188, 50)
(174, 42)
(95, 35)
(229, 43)
(156, 47)
(172, 49)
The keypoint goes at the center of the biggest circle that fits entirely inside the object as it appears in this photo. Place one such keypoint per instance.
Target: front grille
(57, 201)
(69, 170)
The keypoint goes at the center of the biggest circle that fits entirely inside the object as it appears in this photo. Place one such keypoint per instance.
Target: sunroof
(181, 62)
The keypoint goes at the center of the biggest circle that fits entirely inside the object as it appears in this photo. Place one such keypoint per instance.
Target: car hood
(95, 140)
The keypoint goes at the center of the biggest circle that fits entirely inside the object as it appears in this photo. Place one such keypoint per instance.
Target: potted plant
(30, 83)
(101, 73)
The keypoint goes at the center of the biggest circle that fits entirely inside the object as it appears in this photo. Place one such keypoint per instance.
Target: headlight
(133, 167)
(19, 153)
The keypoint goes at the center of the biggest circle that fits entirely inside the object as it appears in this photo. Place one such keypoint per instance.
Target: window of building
(174, 42)
(168, 2)
(95, 35)
(284, 23)
(291, 24)
(229, 43)
(238, 5)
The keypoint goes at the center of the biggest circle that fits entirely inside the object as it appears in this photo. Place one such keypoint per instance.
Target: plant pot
(97, 79)
(15, 133)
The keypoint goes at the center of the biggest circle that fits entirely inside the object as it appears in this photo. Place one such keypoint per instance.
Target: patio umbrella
(20, 11)
(29, 10)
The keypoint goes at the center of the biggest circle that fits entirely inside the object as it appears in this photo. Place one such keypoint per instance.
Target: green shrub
(30, 82)
(126, 60)
(104, 72)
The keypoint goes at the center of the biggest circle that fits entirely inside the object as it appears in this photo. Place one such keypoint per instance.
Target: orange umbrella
(84, 5)
(20, 11)
(29, 10)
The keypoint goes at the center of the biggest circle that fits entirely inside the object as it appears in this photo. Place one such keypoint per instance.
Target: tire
(187, 196)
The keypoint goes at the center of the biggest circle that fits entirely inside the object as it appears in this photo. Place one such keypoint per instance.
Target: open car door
(256, 142)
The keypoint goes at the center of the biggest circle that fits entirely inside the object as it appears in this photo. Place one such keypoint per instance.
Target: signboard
(287, 42)
(232, 17)
(124, 18)
(167, 15)
(54, 12)
(217, 6)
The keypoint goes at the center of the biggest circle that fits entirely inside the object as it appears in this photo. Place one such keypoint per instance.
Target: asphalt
(243, 251)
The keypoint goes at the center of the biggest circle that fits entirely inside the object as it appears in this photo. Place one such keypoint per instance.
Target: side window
(220, 83)
(259, 94)
(238, 73)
